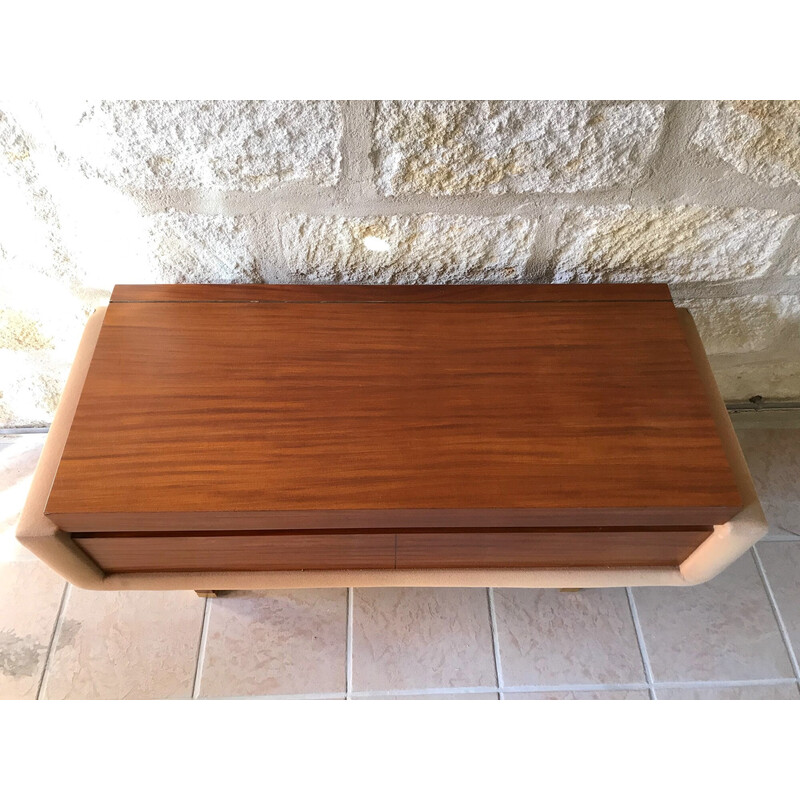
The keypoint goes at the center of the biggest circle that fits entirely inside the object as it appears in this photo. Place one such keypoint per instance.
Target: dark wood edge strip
(644, 529)
(305, 293)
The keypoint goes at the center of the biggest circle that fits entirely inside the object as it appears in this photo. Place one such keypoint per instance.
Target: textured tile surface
(125, 645)
(628, 694)
(454, 696)
(781, 562)
(549, 637)
(276, 643)
(18, 458)
(415, 638)
(779, 692)
(30, 594)
(721, 630)
(773, 456)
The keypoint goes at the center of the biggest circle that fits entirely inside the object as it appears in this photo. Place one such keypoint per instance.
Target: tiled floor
(733, 638)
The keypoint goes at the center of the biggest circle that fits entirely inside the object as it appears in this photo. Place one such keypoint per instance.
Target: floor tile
(773, 456)
(18, 458)
(781, 562)
(125, 645)
(629, 694)
(448, 696)
(415, 638)
(287, 642)
(549, 637)
(779, 692)
(721, 630)
(30, 595)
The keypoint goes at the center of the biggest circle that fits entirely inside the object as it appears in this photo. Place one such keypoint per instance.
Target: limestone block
(156, 145)
(28, 212)
(674, 244)
(200, 248)
(424, 248)
(459, 147)
(775, 378)
(31, 386)
(746, 324)
(760, 138)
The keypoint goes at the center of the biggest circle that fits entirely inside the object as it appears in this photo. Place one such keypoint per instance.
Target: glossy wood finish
(207, 552)
(200, 551)
(501, 293)
(554, 548)
(447, 411)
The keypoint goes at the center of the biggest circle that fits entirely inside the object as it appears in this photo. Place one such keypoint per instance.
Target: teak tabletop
(331, 407)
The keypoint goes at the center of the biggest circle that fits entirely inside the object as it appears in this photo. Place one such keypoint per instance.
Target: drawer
(561, 547)
(244, 551)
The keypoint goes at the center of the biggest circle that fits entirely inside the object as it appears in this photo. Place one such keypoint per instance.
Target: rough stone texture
(676, 244)
(458, 147)
(244, 145)
(30, 387)
(95, 194)
(760, 138)
(29, 215)
(199, 248)
(747, 324)
(775, 378)
(425, 248)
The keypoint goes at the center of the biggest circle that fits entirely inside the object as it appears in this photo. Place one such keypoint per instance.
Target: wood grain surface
(388, 549)
(497, 293)
(554, 548)
(355, 413)
(245, 552)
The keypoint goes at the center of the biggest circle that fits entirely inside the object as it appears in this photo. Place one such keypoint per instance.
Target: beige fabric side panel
(324, 579)
(733, 539)
(35, 530)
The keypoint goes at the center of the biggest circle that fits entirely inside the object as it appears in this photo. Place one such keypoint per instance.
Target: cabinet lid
(270, 407)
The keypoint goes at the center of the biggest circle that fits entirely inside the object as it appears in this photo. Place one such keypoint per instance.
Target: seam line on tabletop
(787, 643)
(637, 626)
(379, 302)
(40, 692)
(201, 650)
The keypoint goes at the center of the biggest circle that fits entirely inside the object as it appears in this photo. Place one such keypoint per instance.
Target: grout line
(585, 687)
(301, 696)
(727, 684)
(22, 431)
(450, 690)
(201, 650)
(777, 612)
(637, 625)
(498, 668)
(349, 647)
(533, 689)
(40, 692)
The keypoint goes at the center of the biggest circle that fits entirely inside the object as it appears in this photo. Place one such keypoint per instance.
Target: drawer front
(562, 548)
(246, 552)
(402, 549)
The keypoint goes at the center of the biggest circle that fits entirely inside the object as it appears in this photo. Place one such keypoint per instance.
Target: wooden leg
(206, 592)
(570, 590)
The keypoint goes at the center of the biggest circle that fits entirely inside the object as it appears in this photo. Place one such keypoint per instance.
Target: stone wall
(703, 195)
